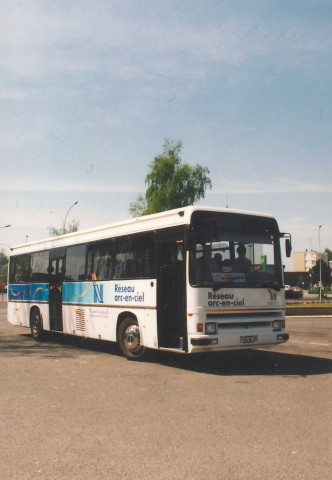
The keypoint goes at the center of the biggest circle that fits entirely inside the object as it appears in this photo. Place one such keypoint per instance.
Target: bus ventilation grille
(80, 320)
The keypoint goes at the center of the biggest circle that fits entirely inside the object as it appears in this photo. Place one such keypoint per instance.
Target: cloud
(40, 42)
(272, 185)
(54, 184)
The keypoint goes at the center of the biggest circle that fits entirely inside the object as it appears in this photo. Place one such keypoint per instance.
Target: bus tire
(129, 339)
(36, 325)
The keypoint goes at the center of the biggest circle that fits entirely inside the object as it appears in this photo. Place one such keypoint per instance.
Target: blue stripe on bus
(79, 292)
(38, 292)
(85, 292)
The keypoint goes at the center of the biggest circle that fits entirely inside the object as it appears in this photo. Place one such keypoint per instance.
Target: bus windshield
(228, 250)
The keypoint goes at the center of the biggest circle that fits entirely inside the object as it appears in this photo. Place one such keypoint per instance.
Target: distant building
(304, 261)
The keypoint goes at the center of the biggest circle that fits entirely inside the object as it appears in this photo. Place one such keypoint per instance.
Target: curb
(308, 311)
(311, 316)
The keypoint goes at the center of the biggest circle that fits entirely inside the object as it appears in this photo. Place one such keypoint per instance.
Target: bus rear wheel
(129, 339)
(36, 325)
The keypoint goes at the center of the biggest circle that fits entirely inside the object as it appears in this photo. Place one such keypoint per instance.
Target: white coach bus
(187, 280)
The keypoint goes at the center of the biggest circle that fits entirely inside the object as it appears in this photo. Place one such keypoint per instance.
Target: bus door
(56, 276)
(171, 289)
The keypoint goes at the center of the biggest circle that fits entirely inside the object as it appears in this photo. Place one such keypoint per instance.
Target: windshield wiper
(231, 283)
(271, 284)
(218, 286)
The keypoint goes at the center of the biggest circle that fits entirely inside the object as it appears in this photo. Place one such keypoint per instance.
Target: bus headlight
(276, 324)
(210, 328)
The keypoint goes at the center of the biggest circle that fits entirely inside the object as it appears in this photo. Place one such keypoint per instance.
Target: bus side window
(75, 263)
(135, 256)
(100, 260)
(124, 257)
(20, 271)
(39, 266)
(12, 269)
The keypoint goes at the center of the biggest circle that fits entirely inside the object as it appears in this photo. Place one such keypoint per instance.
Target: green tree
(56, 231)
(3, 259)
(3, 267)
(314, 274)
(171, 183)
(329, 254)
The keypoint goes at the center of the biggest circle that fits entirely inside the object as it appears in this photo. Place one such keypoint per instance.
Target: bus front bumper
(209, 343)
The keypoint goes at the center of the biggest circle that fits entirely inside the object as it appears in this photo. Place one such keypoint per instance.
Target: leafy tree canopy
(329, 254)
(3, 259)
(326, 273)
(56, 231)
(3, 267)
(171, 183)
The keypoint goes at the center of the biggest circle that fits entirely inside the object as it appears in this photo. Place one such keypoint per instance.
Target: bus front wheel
(129, 339)
(36, 325)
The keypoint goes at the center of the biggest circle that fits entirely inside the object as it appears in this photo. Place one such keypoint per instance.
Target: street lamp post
(64, 223)
(320, 265)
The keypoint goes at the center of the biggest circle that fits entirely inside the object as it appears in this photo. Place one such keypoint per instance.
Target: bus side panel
(18, 313)
(101, 322)
(22, 297)
(92, 309)
(44, 310)
(90, 321)
(69, 318)
(149, 330)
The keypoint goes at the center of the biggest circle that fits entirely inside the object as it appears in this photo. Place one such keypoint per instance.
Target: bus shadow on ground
(53, 345)
(250, 362)
(228, 363)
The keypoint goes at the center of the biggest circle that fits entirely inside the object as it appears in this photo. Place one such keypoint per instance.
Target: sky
(89, 91)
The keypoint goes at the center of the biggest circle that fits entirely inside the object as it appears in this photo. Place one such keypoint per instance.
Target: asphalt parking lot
(71, 411)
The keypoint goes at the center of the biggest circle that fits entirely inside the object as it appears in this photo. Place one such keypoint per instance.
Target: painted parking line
(311, 343)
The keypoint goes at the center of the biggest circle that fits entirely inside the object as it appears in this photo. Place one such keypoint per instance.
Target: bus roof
(169, 218)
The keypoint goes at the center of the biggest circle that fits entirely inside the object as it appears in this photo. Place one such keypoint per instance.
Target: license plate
(249, 339)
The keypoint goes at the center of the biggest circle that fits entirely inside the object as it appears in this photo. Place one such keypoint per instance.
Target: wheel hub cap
(132, 338)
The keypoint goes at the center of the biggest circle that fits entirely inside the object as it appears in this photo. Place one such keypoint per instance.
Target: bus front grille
(245, 320)
(242, 325)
